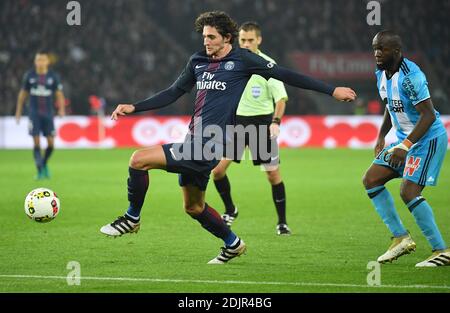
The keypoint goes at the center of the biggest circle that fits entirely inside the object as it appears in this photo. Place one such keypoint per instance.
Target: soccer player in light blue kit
(417, 156)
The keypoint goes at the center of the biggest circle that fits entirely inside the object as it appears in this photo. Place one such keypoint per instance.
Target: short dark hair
(391, 38)
(251, 25)
(42, 51)
(220, 21)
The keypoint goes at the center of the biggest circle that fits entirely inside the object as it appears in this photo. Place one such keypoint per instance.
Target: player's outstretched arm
(258, 65)
(160, 100)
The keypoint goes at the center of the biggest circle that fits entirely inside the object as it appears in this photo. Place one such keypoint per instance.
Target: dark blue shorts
(192, 168)
(41, 124)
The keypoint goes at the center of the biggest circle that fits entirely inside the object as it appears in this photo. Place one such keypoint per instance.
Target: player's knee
(274, 177)
(218, 173)
(192, 209)
(137, 161)
(408, 194)
(369, 181)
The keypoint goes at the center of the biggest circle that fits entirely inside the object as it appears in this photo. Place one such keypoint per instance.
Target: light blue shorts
(423, 161)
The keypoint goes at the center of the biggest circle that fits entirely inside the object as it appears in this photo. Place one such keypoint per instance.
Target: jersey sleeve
(186, 80)
(267, 69)
(26, 82)
(277, 89)
(57, 85)
(415, 86)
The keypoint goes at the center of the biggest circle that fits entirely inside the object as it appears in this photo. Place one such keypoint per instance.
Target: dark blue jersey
(41, 89)
(220, 84)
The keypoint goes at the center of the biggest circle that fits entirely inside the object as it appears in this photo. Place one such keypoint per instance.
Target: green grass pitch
(336, 231)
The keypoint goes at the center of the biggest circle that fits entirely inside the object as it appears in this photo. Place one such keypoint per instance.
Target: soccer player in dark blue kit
(220, 73)
(42, 85)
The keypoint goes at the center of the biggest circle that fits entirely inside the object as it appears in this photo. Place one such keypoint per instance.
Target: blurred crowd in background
(125, 51)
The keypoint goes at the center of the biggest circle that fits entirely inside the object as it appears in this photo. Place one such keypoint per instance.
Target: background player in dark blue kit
(42, 85)
(220, 74)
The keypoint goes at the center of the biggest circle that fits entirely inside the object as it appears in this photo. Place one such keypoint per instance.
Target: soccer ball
(42, 205)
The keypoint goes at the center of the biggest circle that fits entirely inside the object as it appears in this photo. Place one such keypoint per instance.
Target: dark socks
(137, 188)
(37, 158)
(48, 153)
(279, 199)
(212, 222)
(224, 189)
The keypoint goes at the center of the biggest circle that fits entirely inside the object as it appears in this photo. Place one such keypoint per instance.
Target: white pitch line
(228, 282)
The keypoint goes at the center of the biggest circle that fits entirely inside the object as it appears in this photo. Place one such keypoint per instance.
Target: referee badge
(256, 91)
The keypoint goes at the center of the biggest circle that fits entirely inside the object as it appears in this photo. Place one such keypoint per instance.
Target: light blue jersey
(401, 93)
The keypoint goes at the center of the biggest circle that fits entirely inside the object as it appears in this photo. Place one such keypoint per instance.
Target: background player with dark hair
(42, 85)
(417, 156)
(220, 72)
(256, 107)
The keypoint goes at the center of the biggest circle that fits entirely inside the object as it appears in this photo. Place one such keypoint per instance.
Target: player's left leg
(422, 168)
(47, 154)
(210, 219)
(38, 157)
(411, 194)
(279, 198)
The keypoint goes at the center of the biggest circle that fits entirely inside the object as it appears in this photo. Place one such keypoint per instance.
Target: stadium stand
(126, 51)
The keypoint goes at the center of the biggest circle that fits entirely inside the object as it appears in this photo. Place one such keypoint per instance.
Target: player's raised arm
(260, 66)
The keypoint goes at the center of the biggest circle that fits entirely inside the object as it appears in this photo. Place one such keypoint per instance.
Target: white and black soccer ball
(42, 205)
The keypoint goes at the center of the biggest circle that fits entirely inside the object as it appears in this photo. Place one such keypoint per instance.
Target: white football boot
(226, 254)
(438, 258)
(120, 226)
(400, 246)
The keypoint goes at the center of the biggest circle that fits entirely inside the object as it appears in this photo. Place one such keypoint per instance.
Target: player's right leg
(138, 181)
(224, 189)
(374, 180)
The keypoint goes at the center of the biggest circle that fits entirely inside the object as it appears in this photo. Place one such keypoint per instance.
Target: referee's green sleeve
(277, 90)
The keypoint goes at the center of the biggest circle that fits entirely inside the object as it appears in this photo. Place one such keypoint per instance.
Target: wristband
(276, 120)
(408, 143)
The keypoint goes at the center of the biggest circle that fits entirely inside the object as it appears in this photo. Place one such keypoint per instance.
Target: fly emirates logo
(207, 82)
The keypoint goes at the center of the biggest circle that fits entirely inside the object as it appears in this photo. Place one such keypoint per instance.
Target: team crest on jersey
(411, 166)
(50, 81)
(229, 65)
(256, 91)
